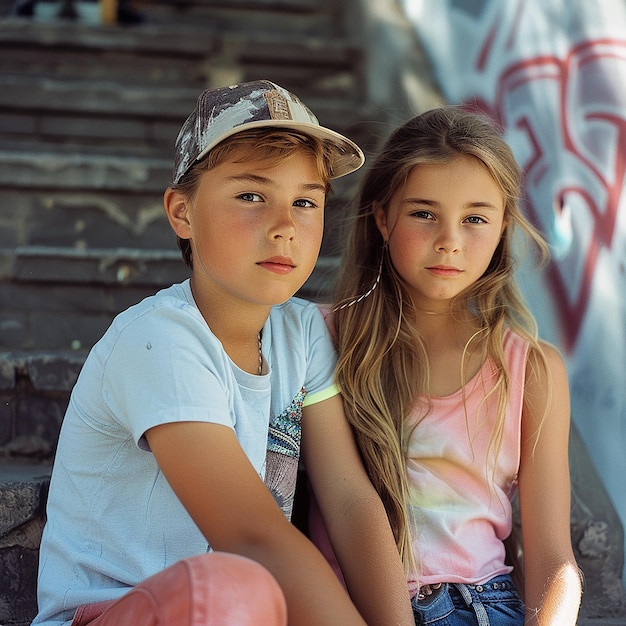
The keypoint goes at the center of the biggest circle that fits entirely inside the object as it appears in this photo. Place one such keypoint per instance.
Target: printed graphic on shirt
(283, 453)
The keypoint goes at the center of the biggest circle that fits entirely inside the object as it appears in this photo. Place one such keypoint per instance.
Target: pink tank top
(460, 505)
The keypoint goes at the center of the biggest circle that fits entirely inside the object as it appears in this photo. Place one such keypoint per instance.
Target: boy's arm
(355, 516)
(213, 478)
(552, 585)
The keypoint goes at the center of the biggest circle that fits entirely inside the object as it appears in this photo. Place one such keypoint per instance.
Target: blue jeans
(494, 603)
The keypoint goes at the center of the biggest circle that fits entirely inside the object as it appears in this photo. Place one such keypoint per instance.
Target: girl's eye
(251, 197)
(475, 219)
(305, 204)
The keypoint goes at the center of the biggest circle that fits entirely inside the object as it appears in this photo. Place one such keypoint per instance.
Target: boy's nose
(283, 224)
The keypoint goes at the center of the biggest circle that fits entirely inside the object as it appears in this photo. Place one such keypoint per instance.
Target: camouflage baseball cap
(223, 112)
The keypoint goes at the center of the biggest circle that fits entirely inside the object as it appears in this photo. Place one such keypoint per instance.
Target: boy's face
(256, 228)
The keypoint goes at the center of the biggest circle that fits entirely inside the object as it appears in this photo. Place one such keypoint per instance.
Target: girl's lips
(278, 265)
(441, 270)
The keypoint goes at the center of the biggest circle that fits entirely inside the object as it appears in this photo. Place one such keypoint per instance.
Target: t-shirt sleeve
(166, 366)
(322, 359)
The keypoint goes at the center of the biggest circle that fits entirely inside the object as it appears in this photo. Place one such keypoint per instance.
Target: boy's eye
(251, 197)
(305, 204)
(423, 214)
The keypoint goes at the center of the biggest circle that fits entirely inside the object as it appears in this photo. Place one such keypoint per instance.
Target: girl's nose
(447, 240)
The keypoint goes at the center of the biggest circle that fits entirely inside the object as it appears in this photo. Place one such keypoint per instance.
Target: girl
(187, 415)
(454, 400)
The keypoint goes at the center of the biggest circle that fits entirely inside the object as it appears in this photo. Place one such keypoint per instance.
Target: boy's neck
(236, 325)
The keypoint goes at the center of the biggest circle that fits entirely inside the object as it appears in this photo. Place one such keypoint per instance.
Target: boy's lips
(278, 264)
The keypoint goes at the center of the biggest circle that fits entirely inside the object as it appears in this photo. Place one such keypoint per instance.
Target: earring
(371, 289)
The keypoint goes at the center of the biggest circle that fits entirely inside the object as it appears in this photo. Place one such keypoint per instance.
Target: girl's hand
(552, 586)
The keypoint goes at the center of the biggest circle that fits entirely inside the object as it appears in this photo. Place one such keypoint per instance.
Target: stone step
(23, 492)
(83, 218)
(34, 389)
(51, 169)
(93, 116)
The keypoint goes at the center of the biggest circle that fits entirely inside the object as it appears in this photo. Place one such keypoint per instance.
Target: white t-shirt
(113, 519)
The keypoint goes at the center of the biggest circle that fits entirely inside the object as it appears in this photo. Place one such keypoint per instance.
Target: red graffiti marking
(572, 113)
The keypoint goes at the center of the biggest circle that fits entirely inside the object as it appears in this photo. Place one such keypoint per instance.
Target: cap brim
(348, 156)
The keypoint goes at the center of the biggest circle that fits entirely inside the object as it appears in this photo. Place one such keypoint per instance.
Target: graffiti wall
(553, 73)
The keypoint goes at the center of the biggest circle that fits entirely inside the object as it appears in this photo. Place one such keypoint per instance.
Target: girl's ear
(505, 222)
(176, 206)
(380, 217)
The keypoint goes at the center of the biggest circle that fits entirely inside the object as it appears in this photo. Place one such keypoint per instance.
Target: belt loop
(475, 603)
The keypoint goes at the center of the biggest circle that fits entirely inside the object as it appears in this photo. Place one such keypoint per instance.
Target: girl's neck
(444, 327)
(453, 346)
(433, 312)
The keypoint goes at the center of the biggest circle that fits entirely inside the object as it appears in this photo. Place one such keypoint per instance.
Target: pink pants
(214, 589)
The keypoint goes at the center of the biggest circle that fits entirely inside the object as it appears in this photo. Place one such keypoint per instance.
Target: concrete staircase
(88, 118)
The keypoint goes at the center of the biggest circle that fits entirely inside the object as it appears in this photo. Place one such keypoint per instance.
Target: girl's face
(255, 228)
(443, 228)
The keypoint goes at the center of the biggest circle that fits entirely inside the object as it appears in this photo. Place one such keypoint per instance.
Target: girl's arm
(552, 586)
(211, 475)
(355, 517)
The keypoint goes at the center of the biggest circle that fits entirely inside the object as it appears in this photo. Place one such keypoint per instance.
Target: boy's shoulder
(299, 311)
(174, 297)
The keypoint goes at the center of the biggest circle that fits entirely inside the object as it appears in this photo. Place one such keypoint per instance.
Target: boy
(187, 415)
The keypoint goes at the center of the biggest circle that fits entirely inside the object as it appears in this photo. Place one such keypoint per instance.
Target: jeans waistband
(499, 583)
(428, 590)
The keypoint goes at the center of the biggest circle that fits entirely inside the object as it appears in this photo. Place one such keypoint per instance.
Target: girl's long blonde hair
(383, 365)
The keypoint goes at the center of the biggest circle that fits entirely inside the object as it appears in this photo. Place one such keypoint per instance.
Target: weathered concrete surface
(23, 490)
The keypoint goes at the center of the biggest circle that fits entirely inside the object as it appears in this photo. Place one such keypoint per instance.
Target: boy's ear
(380, 217)
(176, 209)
